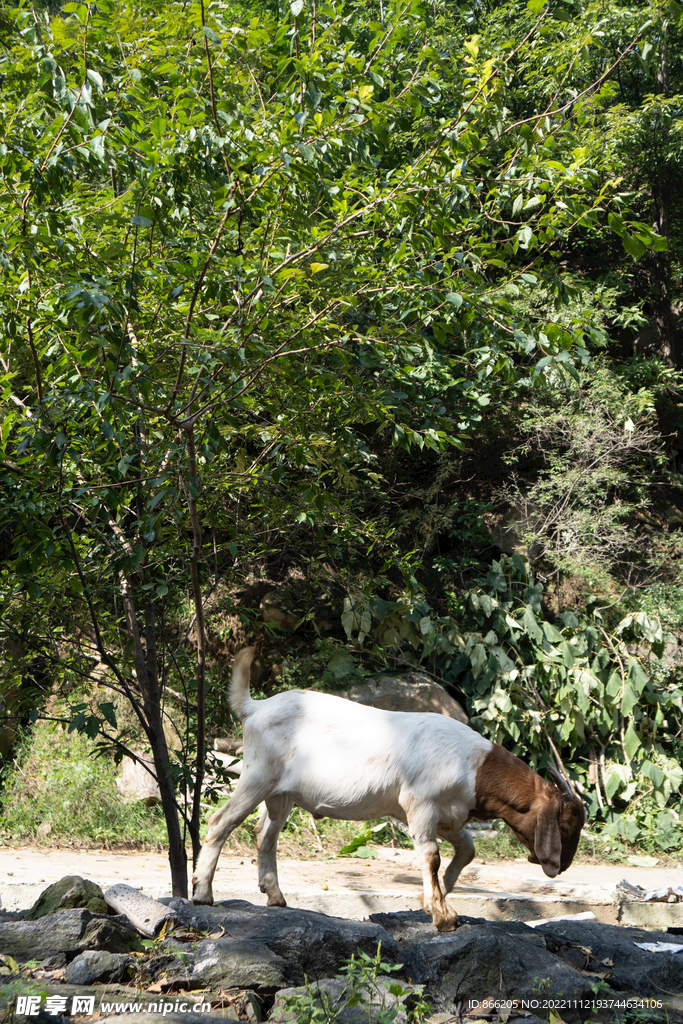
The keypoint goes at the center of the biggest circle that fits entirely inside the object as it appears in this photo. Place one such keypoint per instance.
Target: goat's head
(547, 819)
(553, 826)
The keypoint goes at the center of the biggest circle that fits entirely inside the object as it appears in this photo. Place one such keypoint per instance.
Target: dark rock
(69, 932)
(69, 892)
(479, 961)
(303, 943)
(269, 950)
(97, 965)
(631, 970)
(414, 925)
(112, 933)
(53, 963)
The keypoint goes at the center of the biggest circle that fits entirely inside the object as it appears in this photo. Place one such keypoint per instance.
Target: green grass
(58, 783)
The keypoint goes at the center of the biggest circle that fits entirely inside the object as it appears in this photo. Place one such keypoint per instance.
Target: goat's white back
(339, 759)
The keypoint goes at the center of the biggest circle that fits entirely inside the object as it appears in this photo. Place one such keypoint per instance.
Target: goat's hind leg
(463, 853)
(267, 832)
(244, 800)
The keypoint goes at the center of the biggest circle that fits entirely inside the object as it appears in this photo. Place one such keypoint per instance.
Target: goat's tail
(238, 691)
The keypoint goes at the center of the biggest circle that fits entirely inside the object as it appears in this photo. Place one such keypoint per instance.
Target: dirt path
(24, 873)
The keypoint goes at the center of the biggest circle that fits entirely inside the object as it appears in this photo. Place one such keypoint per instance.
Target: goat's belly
(350, 809)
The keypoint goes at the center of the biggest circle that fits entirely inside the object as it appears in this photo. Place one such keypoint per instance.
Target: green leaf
(634, 247)
(629, 699)
(159, 496)
(551, 634)
(109, 711)
(212, 36)
(631, 741)
(638, 678)
(360, 841)
(531, 624)
(313, 95)
(567, 652)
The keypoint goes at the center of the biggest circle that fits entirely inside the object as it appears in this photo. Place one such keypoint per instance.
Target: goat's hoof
(202, 899)
(277, 901)
(446, 922)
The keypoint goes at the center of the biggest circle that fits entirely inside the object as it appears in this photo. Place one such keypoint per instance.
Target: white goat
(338, 759)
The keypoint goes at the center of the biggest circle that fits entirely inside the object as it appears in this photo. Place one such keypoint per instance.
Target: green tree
(240, 253)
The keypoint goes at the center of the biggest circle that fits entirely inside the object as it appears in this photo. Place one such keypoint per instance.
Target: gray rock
(268, 950)
(411, 926)
(97, 965)
(138, 782)
(238, 963)
(67, 931)
(70, 891)
(411, 691)
(631, 970)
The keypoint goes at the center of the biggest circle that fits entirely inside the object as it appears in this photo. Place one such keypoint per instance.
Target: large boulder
(292, 944)
(138, 781)
(69, 932)
(69, 892)
(612, 949)
(478, 962)
(411, 691)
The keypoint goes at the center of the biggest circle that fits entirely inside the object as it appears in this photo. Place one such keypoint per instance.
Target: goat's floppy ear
(547, 839)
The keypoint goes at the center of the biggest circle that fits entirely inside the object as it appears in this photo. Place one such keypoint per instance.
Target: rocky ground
(241, 961)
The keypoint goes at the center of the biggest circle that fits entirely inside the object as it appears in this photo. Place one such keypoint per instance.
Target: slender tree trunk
(147, 676)
(670, 342)
(200, 632)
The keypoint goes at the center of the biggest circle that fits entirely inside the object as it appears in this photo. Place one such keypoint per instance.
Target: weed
(367, 988)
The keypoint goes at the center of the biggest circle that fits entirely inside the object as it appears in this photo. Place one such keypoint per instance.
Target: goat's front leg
(245, 799)
(423, 830)
(463, 853)
(267, 832)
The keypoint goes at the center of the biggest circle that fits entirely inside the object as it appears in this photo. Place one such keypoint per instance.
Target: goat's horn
(561, 782)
